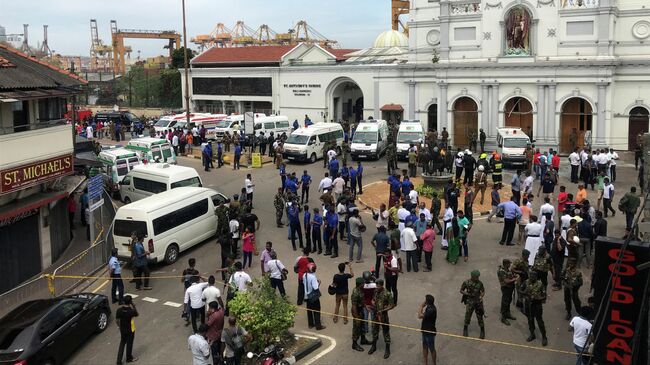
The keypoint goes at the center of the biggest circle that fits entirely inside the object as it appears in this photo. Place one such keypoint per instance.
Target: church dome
(391, 38)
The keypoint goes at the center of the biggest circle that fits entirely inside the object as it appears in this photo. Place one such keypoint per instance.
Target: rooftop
(254, 55)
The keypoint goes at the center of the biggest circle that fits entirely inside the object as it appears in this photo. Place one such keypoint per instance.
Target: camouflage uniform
(383, 301)
(345, 151)
(326, 147)
(356, 300)
(520, 266)
(391, 157)
(535, 294)
(571, 281)
(506, 291)
(222, 220)
(473, 301)
(227, 140)
(278, 203)
(436, 205)
(543, 264)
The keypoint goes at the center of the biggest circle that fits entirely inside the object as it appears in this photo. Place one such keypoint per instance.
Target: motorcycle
(271, 355)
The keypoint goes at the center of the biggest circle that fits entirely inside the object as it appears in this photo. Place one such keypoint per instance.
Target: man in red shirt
(301, 268)
(536, 166)
(555, 161)
(215, 327)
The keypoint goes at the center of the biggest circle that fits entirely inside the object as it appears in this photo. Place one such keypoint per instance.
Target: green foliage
(427, 191)
(266, 316)
(142, 87)
(178, 59)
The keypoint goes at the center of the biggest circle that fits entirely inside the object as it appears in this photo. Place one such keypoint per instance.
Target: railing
(29, 290)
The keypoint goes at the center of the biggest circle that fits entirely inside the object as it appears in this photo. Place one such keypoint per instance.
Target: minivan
(370, 139)
(306, 143)
(409, 132)
(152, 149)
(126, 118)
(171, 222)
(116, 163)
(146, 180)
(276, 124)
(511, 145)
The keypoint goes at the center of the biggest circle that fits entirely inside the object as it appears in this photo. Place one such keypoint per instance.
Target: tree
(266, 315)
(178, 60)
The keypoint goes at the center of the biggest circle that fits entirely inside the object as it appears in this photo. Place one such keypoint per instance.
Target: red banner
(20, 177)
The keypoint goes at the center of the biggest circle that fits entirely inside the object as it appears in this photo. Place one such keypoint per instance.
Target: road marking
(172, 304)
(324, 352)
(150, 300)
(132, 295)
(101, 286)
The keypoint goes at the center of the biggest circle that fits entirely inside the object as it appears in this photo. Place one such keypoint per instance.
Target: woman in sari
(453, 251)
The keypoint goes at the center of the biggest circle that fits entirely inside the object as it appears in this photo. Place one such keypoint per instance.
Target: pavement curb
(310, 347)
(368, 206)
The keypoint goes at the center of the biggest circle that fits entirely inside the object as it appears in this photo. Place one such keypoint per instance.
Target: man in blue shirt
(345, 173)
(141, 263)
(359, 177)
(291, 186)
(515, 184)
(295, 124)
(511, 214)
(115, 271)
(331, 224)
(305, 181)
(294, 224)
(219, 154)
(316, 223)
(283, 175)
(406, 186)
(334, 166)
(306, 221)
(353, 181)
(235, 165)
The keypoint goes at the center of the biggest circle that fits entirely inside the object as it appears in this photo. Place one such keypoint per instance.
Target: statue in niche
(518, 32)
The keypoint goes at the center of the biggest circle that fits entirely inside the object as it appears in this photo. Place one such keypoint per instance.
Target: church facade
(547, 66)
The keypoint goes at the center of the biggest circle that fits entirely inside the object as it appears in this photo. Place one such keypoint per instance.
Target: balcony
(34, 145)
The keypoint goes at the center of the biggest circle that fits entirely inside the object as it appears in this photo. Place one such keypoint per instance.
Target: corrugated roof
(30, 73)
(255, 55)
(5, 63)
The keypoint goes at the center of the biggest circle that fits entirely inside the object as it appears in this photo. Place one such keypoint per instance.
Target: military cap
(525, 253)
(380, 282)
(359, 281)
(475, 273)
(506, 261)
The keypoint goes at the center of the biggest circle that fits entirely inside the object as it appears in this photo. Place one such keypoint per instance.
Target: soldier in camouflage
(222, 220)
(507, 281)
(571, 281)
(356, 300)
(227, 140)
(278, 203)
(391, 157)
(383, 302)
(326, 147)
(535, 294)
(520, 267)
(473, 292)
(542, 265)
(345, 151)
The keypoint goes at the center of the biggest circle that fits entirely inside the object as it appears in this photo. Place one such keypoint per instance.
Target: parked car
(47, 331)
(126, 118)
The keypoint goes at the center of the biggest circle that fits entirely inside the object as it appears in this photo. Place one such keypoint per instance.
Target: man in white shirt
(211, 293)
(341, 211)
(574, 160)
(533, 238)
(325, 183)
(413, 196)
(427, 213)
(613, 156)
(89, 131)
(274, 267)
(330, 155)
(546, 208)
(608, 195)
(234, 231)
(581, 328)
(446, 218)
(402, 214)
(240, 279)
(248, 184)
(338, 185)
(198, 345)
(527, 187)
(194, 301)
(408, 238)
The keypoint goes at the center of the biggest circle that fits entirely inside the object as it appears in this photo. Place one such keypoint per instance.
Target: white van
(152, 149)
(306, 143)
(166, 122)
(228, 124)
(117, 162)
(511, 145)
(146, 180)
(275, 123)
(370, 139)
(409, 132)
(171, 222)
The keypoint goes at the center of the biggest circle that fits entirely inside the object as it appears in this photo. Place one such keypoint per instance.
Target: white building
(546, 65)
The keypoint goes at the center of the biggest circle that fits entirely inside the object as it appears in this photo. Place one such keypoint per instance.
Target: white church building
(548, 66)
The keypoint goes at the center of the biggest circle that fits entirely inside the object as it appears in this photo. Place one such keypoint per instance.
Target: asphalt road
(161, 336)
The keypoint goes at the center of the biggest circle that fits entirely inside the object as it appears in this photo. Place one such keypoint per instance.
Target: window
(124, 228)
(269, 125)
(193, 181)
(133, 161)
(166, 151)
(179, 217)
(51, 323)
(258, 126)
(71, 309)
(516, 143)
(126, 180)
(122, 167)
(154, 187)
(241, 86)
(218, 199)
(297, 139)
(155, 153)
(283, 125)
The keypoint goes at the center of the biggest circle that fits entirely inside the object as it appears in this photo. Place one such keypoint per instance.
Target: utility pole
(187, 71)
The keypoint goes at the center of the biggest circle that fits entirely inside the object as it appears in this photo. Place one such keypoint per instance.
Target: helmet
(460, 154)
(311, 267)
(469, 153)
(497, 156)
(367, 276)
(483, 155)
(481, 167)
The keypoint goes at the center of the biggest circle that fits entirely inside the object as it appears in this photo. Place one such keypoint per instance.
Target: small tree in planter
(266, 316)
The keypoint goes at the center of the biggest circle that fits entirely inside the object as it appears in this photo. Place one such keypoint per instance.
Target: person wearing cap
(535, 295)
(408, 239)
(382, 302)
(542, 265)
(473, 291)
(469, 163)
(571, 281)
(520, 268)
(481, 181)
(459, 164)
(312, 284)
(507, 279)
(356, 302)
(115, 272)
(496, 166)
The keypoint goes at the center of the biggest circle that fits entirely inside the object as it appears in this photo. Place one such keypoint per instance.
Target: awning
(392, 108)
(18, 94)
(25, 207)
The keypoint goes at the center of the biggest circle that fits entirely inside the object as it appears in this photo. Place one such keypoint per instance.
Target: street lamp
(187, 71)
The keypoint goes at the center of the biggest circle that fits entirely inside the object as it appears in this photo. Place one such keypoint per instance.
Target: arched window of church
(518, 32)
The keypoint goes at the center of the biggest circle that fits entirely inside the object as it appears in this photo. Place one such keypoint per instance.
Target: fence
(85, 263)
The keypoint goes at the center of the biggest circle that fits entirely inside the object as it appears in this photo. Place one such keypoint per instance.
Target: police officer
(507, 281)
(383, 302)
(520, 267)
(356, 300)
(571, 281)
(473, 291)
(535, 295)
(261, 140)
(278, 203)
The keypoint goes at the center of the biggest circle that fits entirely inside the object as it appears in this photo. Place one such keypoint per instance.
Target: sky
(353, 23)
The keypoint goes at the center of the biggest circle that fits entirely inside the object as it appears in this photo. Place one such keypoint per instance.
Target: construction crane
(25, 46)
(45, 48)
(100, 54)
(220, 36)
(265, 35)
(242, 35)
(303, 32)
(399, 7)
(119, 50)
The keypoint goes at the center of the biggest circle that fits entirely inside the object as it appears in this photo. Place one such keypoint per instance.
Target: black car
(47, 331)
(126, 118)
